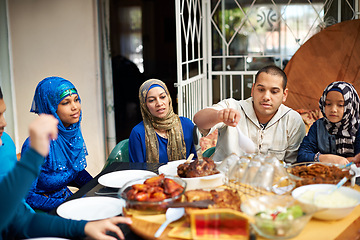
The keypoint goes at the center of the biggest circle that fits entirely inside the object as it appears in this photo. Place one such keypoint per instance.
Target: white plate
(119, 178)
(47, 238)
(170, 168)
(91, 208)
(193, 183)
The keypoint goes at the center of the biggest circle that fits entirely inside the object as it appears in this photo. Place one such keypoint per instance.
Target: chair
(120, 153)
(209, 152)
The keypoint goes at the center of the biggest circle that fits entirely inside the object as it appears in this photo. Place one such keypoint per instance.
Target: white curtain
(6, 81)
(106, 75)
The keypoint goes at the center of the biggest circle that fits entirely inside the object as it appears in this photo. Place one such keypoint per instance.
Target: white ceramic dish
(193, 183)
(119, 178)
(329, 213)
(91, 208)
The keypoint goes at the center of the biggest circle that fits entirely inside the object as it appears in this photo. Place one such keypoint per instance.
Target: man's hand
(98, 229)
(42, 130)
(208, 117)
(229, 116)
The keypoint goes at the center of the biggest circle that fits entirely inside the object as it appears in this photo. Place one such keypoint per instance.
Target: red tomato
(142, 196)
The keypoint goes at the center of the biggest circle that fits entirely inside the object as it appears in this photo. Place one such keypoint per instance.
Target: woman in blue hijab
(65, 165)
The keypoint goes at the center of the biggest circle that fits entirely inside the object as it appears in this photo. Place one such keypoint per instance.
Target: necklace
(162, 134)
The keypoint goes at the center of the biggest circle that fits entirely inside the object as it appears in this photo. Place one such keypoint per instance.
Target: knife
(197, 144)
(195, 204)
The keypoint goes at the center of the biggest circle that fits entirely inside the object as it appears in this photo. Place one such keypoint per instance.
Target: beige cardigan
(282, 135)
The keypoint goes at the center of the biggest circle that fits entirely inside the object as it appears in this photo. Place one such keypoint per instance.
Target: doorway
(143, 46)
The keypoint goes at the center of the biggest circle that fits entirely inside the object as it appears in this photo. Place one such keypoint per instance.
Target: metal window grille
(221, 44)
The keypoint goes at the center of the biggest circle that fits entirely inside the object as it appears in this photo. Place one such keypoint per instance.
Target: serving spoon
(172, 214)
(330, 190)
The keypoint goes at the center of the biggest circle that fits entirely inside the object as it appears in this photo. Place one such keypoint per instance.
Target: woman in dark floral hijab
(335, 138)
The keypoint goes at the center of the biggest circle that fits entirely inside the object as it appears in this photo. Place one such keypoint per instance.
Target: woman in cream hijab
(162, 136)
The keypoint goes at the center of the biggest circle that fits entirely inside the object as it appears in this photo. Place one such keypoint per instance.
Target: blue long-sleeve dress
(50, 188)
(137, 146)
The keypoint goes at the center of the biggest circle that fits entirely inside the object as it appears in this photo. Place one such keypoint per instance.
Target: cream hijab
(176, 149)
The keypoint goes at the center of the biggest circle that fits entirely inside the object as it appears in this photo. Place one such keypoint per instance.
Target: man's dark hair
(273, 70)
(1, 95)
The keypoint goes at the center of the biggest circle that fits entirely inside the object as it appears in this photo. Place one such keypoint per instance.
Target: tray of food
(319, 173)
(152, 195)
(222, 203)
(196, 173)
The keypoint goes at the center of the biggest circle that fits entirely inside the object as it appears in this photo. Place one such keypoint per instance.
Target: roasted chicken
(197, 168)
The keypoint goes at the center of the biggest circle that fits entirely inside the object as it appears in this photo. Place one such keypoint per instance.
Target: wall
(58, 37)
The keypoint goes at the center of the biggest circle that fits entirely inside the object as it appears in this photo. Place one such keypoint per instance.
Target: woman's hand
(356, 160)
(98, 229)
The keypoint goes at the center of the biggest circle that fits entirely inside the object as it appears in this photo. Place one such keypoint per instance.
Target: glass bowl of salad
(277, 216)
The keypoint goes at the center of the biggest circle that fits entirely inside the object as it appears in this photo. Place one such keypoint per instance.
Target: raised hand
(42, 130)
(229, 116)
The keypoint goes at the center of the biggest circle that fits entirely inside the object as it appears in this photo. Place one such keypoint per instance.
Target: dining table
(91, 189)
(347, 228)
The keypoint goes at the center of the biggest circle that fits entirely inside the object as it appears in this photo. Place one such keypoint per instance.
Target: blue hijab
(69, 148)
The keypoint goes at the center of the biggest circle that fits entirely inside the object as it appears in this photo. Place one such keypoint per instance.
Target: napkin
(219, 224)
(357, 173)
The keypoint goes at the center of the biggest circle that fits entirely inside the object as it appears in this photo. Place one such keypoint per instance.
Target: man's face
(2, 117)
(268, 94)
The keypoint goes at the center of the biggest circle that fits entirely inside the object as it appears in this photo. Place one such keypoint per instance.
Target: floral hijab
(69, 148)
(171, 123)
(345, 130)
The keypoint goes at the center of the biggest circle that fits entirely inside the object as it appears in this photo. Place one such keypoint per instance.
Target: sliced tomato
(155, 181)
(142, 196)
(171, 186)
(157, 196)
(140, 187)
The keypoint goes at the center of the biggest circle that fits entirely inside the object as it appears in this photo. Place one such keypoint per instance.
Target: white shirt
(281, 136)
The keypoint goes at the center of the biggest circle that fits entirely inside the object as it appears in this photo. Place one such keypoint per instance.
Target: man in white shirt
(273, 127)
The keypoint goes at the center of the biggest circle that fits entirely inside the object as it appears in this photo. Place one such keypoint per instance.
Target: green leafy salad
(279, 221)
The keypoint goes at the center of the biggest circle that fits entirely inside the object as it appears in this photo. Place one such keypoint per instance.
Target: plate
(47, 238)
(170, 168)
(91, 208)
(119, 178)
(210, 181)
